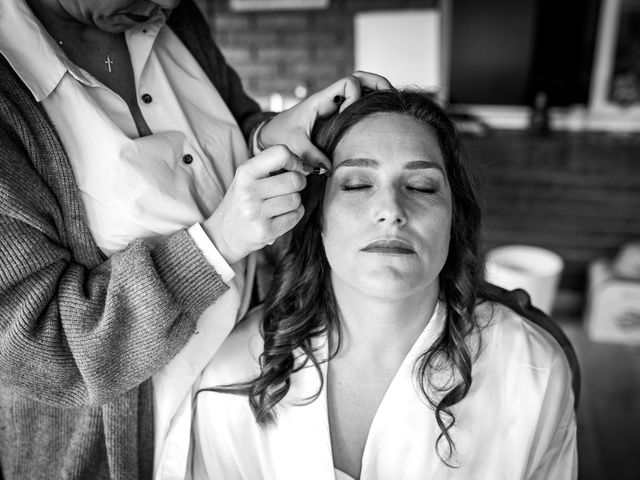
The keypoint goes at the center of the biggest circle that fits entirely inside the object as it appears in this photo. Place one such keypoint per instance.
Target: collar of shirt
(22, 34)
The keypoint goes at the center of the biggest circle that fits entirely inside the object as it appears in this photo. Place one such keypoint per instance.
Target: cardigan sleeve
(77, 332)
(72, 335)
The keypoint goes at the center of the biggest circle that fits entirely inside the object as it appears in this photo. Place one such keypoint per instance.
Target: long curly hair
(301, 306)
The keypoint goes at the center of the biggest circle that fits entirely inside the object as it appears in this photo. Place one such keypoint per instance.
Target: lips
(143, 15)
(137, 18)
(391, 246)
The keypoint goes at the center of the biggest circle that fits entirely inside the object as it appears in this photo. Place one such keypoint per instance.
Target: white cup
(533, 269)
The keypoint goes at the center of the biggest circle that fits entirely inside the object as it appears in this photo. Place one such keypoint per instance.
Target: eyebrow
(371, 163)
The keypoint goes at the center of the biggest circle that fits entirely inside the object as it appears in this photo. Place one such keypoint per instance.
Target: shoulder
(524, 366)
(17, 104)
(29, 154)
(25, 129)
(520, 341)
(522, 387)
(237, 360)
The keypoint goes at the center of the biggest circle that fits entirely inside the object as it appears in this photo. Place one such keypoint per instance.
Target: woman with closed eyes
(379, 353)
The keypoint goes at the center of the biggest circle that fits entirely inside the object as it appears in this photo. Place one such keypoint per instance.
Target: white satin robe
(516, 422)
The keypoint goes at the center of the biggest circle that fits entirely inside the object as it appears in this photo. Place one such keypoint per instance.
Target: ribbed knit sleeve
(72, 335)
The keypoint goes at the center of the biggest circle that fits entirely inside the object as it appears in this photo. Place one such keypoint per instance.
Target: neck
(63, 26)
(88, 47)
(382, 325)
(53, 16)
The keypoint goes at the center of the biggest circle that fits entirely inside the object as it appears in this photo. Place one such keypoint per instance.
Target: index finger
(365, 80)
(372, 80)
(274, 159)
(347, 90)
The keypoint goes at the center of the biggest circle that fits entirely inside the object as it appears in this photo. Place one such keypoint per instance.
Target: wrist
(262, 142)
(216, 236)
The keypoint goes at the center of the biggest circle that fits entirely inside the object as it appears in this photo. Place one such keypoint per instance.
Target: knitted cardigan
(81, 335)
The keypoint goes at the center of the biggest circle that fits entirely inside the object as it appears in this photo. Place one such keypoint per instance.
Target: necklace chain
(107, 58)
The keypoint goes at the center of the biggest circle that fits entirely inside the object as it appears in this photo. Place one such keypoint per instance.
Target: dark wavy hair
(301, 305)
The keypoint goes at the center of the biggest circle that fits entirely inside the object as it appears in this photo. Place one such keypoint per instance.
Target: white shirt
(516, 422)
(135, 187)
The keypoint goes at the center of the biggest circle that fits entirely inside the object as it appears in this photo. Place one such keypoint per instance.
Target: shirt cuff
(210, 252)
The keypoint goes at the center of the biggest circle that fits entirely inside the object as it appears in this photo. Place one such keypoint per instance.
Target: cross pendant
(108, 62)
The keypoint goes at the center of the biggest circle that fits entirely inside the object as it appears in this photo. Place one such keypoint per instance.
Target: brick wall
(275, 51)
(577, 194)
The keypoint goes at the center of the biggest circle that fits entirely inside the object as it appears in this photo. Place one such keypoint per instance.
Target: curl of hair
(301, 305)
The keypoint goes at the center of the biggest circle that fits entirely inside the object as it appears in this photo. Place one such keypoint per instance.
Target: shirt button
(146, 98)
(187, 158)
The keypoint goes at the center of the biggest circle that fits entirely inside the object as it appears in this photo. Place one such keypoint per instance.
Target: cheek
(332, 227)
(435, 228)
(445, 234)
(341, 217)
(338, 231)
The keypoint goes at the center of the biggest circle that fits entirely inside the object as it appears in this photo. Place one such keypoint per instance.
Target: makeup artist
(127, 209)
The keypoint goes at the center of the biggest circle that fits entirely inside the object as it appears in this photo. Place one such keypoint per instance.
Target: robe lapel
(301, 443)
(403, 431)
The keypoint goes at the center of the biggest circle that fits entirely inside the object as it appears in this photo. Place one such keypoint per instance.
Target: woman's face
(115, 15)
(387, 209)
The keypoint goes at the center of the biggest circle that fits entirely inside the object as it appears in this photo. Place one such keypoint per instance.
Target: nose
(389, 208)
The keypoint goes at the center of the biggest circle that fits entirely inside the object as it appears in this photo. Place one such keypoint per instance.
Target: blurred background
(547, 96)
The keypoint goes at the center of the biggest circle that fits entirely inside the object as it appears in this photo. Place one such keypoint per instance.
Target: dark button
(187, 158)
(146, 98)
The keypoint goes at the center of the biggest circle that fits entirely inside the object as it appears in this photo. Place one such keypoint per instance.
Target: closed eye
(421, 189)
(360, 186)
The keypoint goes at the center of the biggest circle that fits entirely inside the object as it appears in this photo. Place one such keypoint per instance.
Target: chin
(391, 284)
(113, 27)
(116, 24)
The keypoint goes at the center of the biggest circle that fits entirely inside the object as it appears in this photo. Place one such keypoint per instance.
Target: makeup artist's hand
(261, 204)
(293, 127)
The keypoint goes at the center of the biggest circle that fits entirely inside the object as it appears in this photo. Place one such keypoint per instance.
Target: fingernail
(318, 170)
(338, 99)
(315, 170)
